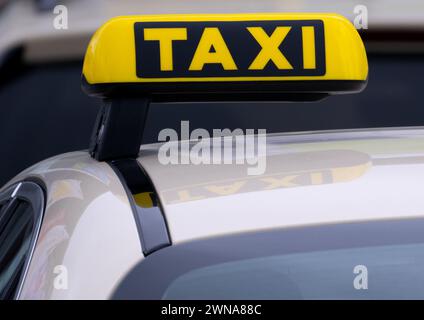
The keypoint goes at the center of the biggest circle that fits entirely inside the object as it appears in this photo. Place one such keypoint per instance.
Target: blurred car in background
(43, 111)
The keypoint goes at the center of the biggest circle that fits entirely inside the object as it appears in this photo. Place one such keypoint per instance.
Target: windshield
(373, 260)
(312, 275)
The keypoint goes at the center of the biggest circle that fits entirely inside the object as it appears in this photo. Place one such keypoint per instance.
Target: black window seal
(33, 192)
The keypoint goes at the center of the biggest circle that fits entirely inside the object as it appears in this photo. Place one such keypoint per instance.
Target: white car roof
(310, 178)
(335, 177)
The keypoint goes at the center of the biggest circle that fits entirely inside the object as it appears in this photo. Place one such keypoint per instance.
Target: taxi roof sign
(132, 61)
(225, 57)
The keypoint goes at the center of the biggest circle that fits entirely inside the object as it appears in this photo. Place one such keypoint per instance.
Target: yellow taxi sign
(229, 49)
(220, 53)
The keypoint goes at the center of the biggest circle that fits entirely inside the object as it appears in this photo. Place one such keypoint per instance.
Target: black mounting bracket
(118, 130)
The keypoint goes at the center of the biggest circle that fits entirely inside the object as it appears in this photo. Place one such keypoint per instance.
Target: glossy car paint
(88, 239)
(310, 179)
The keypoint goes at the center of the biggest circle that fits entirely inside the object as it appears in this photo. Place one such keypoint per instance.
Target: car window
(367, 260)
(20, 217)
(312, 275)
(14, 246)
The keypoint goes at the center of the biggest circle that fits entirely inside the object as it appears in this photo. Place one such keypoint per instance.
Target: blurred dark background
(43, 111)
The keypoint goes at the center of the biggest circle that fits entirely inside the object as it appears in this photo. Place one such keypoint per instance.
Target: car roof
(310, 178)
(335, 177)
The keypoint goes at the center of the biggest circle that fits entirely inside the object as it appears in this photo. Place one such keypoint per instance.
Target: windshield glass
(396, 273)
(371, 260)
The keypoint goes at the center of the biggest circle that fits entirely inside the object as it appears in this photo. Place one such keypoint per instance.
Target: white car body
(334, 177)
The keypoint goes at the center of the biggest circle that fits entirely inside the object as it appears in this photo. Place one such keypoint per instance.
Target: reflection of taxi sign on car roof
(319, 52)
(218, 57)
